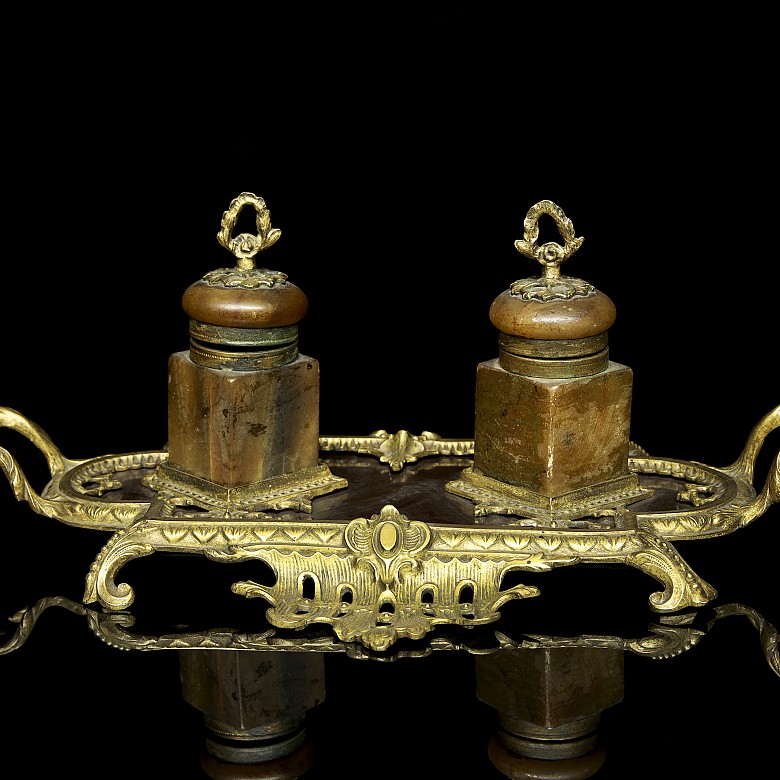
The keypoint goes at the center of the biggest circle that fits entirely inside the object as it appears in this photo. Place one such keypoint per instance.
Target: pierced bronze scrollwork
(389, 576)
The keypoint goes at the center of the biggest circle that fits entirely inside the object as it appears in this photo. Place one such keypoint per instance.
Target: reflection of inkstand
(666, 639)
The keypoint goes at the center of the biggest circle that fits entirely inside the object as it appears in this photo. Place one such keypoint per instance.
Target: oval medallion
(388, 536)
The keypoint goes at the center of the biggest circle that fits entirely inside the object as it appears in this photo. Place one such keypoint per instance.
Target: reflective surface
(68, 689)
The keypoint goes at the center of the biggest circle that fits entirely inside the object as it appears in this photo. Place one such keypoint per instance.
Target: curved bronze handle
(10, 418)
(84, 510)
(744, 466)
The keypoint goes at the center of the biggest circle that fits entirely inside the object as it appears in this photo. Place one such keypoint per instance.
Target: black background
(398, 153)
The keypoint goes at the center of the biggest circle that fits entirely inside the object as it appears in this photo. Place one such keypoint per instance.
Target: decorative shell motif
(250, 278)
(387, 543)
(562, 288)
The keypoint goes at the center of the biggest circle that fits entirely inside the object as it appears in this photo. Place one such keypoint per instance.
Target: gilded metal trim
(493, 497)
(380, 578)
(230, 360)
(548, 368)
(179, 491)
(377, 596)
(552, 348)
(243, 337)
(399, 448)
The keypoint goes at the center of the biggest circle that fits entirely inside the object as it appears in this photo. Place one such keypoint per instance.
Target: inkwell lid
(244, 318)
(552, 326)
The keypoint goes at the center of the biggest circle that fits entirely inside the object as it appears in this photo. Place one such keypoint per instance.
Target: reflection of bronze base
(524, 768)
(289, 767)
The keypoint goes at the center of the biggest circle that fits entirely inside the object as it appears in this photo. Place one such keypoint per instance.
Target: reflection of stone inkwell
(552, 411)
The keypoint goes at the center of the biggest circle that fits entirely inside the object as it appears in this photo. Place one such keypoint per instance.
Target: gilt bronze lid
(555, 319)
(551, 307)
(244, 318)
(271, 305)
(552, 326)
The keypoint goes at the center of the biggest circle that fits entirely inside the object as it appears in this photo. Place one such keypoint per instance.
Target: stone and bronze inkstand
(395, 544)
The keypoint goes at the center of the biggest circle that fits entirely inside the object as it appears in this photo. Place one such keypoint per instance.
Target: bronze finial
(550, 255)
(245, 245)
(551, 285)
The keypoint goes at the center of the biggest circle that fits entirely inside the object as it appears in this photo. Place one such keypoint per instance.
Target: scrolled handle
(10, 418)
